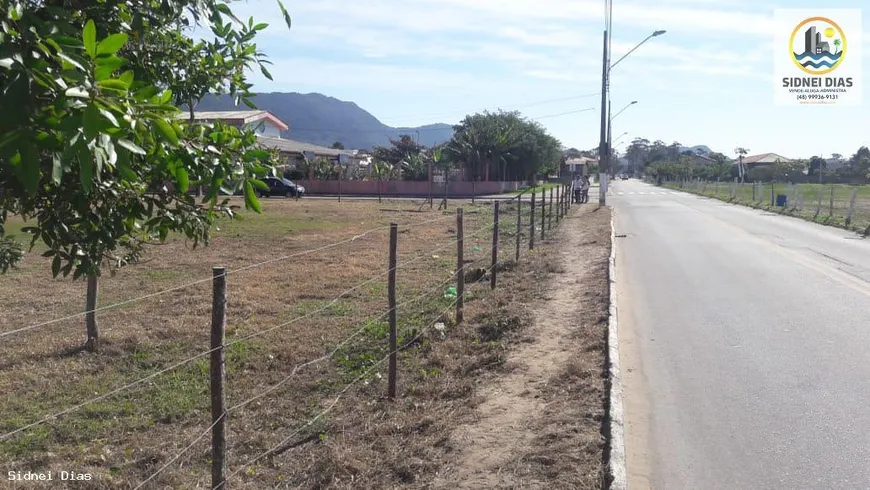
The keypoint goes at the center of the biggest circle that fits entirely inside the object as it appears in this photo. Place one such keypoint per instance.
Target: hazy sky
(707, 81)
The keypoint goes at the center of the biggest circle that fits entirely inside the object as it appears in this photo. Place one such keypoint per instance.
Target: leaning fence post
(391, 297)
(532, 224)
(831, 208)
(851, 206)
(460, 266)
(543, 214)
(519, 228)
(492, 272)
(550, 212)
(218, 378)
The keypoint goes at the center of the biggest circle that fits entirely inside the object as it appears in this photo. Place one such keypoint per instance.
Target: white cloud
(294, 73)
(397, 45)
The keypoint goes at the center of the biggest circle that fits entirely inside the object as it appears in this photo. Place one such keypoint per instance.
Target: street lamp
(610, 126)
(654, 34)
(633, 102)
(620, 137)
(604, 143)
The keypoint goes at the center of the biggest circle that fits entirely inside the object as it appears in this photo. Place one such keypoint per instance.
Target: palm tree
(741, 152)
(837, 43)
(381, 171)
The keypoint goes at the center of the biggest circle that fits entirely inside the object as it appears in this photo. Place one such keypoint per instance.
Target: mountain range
(322, 120)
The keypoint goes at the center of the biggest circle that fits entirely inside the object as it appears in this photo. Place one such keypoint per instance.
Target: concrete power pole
(603, 150)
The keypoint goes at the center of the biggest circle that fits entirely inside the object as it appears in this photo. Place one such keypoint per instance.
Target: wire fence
(494, 240)
(846, 206)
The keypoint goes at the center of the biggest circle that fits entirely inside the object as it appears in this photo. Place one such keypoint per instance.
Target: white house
(262, 122)
(580, 165)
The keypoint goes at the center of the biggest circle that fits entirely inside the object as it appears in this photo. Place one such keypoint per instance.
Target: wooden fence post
(493, 271)
(772, 195)
(753, 192)
(217, 376)
(391, 298)
(543, 214)
(851, 206)
(831, 208)
(519, 228)
(460, 266)
(558, 204)
(93, 333)
(550, 212)
(532, 224)
(819, 204)
(800, 198)
(567, 200)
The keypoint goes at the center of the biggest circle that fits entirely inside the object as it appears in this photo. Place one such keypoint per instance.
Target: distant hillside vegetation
(318, 119)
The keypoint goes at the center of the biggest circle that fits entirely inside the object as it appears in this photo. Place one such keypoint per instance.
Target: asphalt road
(744, 343)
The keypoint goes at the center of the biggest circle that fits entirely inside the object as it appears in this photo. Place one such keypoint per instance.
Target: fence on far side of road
(845, 206)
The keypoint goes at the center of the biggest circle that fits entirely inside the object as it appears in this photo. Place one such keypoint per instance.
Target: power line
(464, 112)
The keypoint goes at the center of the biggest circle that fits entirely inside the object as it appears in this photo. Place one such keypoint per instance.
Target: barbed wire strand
(299, 367)
(180, 453)
(340, 394)
(429, 292)
(204, 280)
(205, 353)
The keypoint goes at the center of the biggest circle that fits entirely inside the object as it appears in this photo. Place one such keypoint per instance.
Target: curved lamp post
(604, 145)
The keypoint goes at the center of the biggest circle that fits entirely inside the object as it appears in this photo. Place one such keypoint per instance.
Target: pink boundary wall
(407, 188)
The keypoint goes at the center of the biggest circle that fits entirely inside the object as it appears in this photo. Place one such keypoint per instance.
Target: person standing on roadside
(578, 189)
(584, 187)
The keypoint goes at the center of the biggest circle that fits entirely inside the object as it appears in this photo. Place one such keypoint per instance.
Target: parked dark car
(281, 187)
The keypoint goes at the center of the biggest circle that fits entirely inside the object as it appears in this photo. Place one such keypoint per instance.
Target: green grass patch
(173, 397)
(372, 345)
(272, 225)
(537, 189)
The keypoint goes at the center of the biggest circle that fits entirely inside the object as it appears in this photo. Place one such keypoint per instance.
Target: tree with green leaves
(337, 146)
(381, 171)
(398, 150)
(94, 154)
(503, 146)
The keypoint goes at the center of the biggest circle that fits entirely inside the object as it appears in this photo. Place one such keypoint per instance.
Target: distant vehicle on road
(281, 187)
(623, 177)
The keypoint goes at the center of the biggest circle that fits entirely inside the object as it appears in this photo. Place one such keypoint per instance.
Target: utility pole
(603, 150)
(609, 134)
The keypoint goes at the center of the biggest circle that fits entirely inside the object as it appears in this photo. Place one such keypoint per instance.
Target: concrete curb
(617, 422)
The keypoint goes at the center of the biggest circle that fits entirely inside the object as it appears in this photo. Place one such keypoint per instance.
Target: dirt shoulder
(539, 425)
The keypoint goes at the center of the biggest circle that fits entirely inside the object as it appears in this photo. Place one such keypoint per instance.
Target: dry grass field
(296, 307)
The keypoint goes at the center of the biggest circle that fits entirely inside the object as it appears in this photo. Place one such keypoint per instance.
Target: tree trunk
(91, 314)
